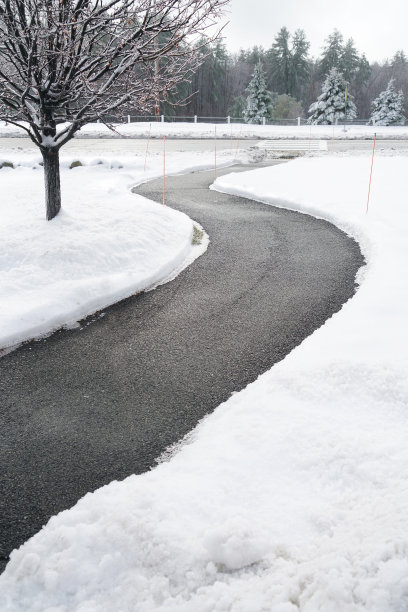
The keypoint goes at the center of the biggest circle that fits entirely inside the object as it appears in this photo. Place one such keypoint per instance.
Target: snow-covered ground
(105, 245)
(293, 494)
(233, 130)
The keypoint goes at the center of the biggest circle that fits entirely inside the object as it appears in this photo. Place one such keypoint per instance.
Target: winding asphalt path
(83, 408)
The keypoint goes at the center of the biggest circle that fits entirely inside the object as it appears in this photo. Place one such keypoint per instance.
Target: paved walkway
(85, 407)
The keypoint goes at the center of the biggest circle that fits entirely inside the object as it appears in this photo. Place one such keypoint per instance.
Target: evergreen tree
(399, 60)
(349, 61)
(289, 68)
(210, 81)
(280, 59)
(399, 72)
(255, 55)
(259, 100)
(299, 65)
(359, 87)
(334, 103)
(332, 53)
(363, 73)
(388, 108)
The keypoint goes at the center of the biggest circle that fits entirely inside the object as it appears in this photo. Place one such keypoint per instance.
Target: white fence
(195, 119)
(298, 121)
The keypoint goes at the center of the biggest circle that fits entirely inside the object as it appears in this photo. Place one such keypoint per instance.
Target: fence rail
(298, 121)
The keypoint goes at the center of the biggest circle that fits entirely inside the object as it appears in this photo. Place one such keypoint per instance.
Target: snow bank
(105, 245)
(225, 130)
(293, 495)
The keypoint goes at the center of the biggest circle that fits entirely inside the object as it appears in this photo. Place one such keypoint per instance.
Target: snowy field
(234, 130)
(293, 494)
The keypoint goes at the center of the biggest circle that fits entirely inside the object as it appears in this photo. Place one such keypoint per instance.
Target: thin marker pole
(215, 151)
(371, 173)
(147, 146)
(164, 170)
(238, 143)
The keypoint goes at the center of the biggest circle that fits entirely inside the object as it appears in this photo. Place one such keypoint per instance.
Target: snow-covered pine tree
(259, 100)
(388, 108)
(333, 103)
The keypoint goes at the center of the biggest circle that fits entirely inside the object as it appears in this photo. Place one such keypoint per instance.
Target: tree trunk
(52, 182)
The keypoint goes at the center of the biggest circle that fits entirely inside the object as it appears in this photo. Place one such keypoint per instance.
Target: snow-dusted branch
(64, 63)
(73, 61)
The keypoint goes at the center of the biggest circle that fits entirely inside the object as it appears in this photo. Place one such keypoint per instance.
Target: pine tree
(289, 65)
(359, 84)
(363, 73)
(349, 61)
(259, 100)
(399, 59)
(280, 59)
(332, 53)
(299, 66)
(334, 103)
(210, 81)
(388, 108)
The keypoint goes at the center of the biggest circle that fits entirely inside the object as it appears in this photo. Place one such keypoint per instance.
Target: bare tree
(65, 63)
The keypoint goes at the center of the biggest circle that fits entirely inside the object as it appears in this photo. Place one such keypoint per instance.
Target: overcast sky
(378, 28)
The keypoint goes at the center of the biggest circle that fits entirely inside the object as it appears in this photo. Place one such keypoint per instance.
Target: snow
(388, 107)
(259, 100)
(105, 245)
(334, 103)
(233, 130)
(293, 494)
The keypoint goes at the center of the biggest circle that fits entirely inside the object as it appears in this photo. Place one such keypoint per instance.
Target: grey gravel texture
(85, 407)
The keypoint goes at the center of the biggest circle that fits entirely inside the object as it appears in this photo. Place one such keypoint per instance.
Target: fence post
(228, 119)
(162, 118)
(337, 121)
(263, 121)
(128, 118)
(298, 121)
(195, 118)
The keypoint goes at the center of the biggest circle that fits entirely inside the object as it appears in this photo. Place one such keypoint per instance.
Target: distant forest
(219, 87)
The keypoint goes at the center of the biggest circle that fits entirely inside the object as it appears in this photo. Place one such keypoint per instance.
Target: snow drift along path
(293, 495)
(98, 404)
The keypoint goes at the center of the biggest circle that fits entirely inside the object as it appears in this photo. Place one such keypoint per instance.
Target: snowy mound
(293, 495)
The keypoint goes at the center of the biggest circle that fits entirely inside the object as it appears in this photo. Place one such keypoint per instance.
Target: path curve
(83, 408)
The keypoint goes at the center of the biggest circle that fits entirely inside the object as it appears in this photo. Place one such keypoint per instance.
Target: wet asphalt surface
(85, 407)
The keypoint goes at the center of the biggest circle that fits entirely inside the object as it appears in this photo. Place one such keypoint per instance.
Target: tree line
(219, 87)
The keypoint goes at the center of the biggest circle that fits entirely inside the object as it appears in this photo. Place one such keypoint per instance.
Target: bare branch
(72, 61)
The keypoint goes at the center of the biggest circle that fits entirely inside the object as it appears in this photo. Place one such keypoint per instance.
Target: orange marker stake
(164, 170)
(371, 173)
(215, 151)
(147, 146)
